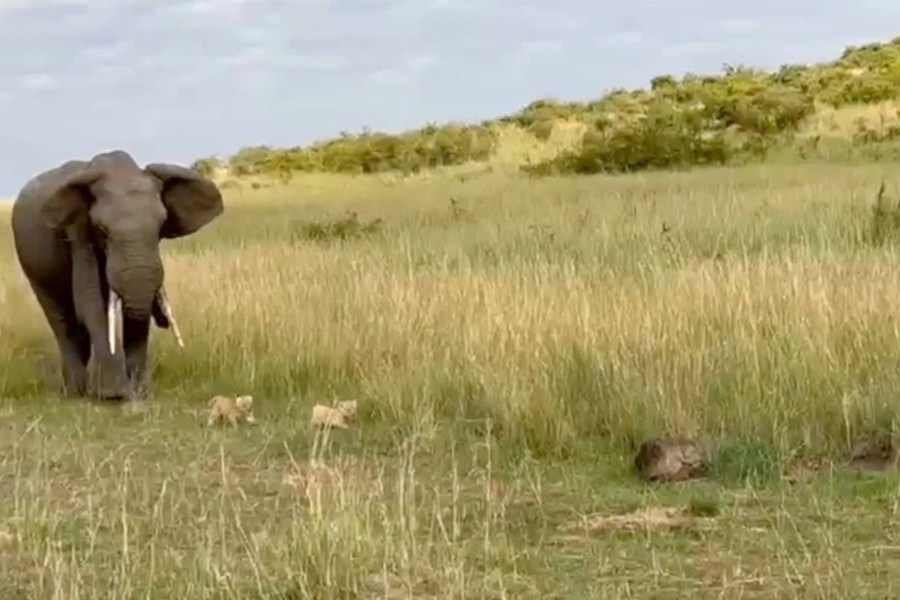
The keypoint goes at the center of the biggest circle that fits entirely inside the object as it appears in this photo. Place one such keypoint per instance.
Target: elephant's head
(124, 211)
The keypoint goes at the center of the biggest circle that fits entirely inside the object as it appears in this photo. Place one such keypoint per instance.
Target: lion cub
(670, 459)
(223, 408)
(327, 416)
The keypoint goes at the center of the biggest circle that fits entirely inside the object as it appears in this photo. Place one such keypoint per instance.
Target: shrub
(371, 152)
(206, 166)
(667, 136)
(349, 227)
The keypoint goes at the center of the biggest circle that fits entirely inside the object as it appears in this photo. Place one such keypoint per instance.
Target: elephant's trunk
(115, 318)
(135, 274)
(137, 290)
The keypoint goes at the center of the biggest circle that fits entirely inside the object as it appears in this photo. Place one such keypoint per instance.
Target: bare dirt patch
(654, 517)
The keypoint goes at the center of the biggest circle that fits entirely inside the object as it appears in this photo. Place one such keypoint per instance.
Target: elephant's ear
(70, 199)
(191, 200)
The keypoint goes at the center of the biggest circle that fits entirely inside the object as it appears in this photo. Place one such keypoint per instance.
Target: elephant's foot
(113, 385)
(75, 354)
(139, 391)
(138, 381)
(75, 381)
(113, 393)
(72, 392)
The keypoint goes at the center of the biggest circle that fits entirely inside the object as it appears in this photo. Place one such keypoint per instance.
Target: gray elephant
(87, 237)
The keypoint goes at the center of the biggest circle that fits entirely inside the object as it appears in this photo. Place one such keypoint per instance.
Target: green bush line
(700, 119)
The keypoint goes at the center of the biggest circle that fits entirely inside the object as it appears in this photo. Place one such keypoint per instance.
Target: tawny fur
(348, 409)
(334, 417)
(669, 459)
(224, 408)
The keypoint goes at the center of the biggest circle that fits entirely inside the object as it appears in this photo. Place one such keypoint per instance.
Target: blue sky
(173, 80)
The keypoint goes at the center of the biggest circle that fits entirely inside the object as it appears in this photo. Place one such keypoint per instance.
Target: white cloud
(110, 73)
(218, 8)
(105, 52)
(889, 6)
(387, 76)
(30, 4)
(39, 82)
(691, 48)
(314, 62)
(539, 48)
(408, 72)
(417, 64)
(623, 38)
(545, 18)
(739, 25)
(528, 54)
(6, 100)
(462, 6)
(246, 57)
(277, 57)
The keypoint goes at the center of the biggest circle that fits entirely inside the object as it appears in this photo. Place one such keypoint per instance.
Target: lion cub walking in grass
(223, 408)
(328, 417)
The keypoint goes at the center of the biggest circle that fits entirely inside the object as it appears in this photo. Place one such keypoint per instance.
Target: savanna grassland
(510, 341)
(516, 305)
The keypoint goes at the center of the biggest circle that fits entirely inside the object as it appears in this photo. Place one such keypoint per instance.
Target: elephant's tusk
(114, 319)
(167, 311)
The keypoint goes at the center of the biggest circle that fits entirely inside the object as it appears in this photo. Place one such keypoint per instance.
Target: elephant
(87, 237)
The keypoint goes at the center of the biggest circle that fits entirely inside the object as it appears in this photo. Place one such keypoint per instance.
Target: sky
(175, 80)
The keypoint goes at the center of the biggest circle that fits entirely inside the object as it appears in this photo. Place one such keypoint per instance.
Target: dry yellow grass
(561, 309)
(507, 350)
(516, 146)
(844, 122)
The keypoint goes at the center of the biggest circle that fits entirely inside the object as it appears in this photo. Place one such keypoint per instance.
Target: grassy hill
(844, 109)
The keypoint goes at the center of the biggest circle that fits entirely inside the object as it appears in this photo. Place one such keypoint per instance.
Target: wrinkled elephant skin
(87, 237)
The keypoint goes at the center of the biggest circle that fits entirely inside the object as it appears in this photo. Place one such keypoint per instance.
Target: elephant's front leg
(75, 348)
(91, 310)
(111, 378)
(136, 334)
(73, 340)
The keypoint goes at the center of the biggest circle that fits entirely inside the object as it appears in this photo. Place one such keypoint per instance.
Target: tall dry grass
(844, 122)
(736, 303)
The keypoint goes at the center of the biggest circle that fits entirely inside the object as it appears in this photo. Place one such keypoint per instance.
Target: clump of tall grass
(348, 227)
(885, 222)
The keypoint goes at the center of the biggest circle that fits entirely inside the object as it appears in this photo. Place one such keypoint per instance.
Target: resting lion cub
(223, 408)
